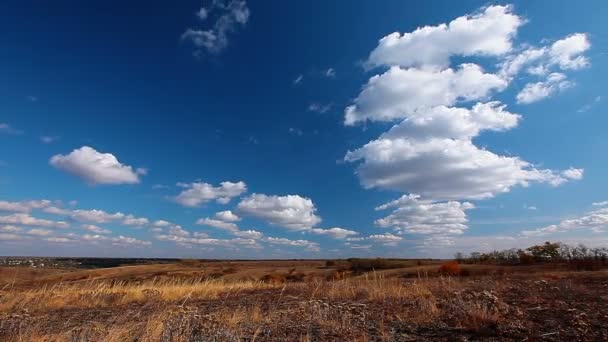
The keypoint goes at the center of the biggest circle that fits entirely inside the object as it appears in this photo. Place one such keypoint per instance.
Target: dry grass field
(302, 301)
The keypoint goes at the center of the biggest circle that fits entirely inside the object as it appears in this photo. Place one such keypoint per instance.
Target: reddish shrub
(274, 278)
(450, 268)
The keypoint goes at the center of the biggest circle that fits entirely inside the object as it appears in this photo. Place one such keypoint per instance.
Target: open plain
(408, 300)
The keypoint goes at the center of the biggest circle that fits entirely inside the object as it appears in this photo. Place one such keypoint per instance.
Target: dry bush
(274, 278)
(451, 268)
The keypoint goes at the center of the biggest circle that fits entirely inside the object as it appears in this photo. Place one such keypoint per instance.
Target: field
(302, 301)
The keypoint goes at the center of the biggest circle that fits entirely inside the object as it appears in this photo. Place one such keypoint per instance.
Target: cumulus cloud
(400, 93)
(431, 153)
(40, 232)
(385, 239)
(96, 168)
(95, 229)
(161, 224)
(24, 206)
(94, 215)
(335, 232)
(534, 92)
(230, 16)
(117, 241)
(219, 224)
(293, 212)
(199, 193)
(21, 219)
(572, 173)
(227, 216)
(430, 149)
(202, 239)
(131, 220)
(309, 245)
(547, 63)
(413, 215)
(488, 33)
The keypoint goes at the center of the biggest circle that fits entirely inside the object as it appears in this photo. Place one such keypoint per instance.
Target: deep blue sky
(116, 76)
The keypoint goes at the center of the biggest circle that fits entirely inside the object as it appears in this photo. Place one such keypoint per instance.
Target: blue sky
(254, 129)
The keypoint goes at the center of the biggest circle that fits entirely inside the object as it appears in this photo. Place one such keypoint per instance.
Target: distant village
(38, 262)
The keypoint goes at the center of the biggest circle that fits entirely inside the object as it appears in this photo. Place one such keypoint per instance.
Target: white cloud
(95, 229)
(227, 216)
(40, 232)
(10, 229)
(595, 221)
(161, 223)
(400, 93)
(117, 241)
(213, 40)
(199, 193)
(488, 33)
(178, 231)
(293, 212)
(202, 239)
(94, 215)
(414, 215)
(572, 173)
(564, 54)
(330, 72)
(24, 206)
(431, 153)
(249, 234)
(23, 219)
(131, 220)
(335, 232)
(567, 52)
(219, 224)
(385, 239)
(600, 204)
(533, 92)
(320, 108)
(95, 167)
(311, 246)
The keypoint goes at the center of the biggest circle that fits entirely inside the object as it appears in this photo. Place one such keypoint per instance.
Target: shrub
(451, 268)
(330, 263)
(274, 278)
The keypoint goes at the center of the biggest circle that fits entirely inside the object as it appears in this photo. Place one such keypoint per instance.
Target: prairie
(194, 300)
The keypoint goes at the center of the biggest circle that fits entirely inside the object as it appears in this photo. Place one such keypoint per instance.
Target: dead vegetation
(278, 301)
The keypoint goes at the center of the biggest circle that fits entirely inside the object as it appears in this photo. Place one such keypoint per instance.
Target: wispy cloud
(228, 17)
(8, 129)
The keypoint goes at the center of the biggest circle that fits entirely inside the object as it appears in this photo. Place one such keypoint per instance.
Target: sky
(301, 129)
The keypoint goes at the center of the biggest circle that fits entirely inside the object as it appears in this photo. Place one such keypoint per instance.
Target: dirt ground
(507, 305)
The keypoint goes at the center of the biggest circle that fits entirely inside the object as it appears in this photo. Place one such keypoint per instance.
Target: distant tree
(459, 257)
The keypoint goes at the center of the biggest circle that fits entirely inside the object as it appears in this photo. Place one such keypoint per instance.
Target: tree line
(580, 256)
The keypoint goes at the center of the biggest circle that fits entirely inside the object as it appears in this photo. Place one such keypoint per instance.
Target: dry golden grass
(371, 306)
(103, 293)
